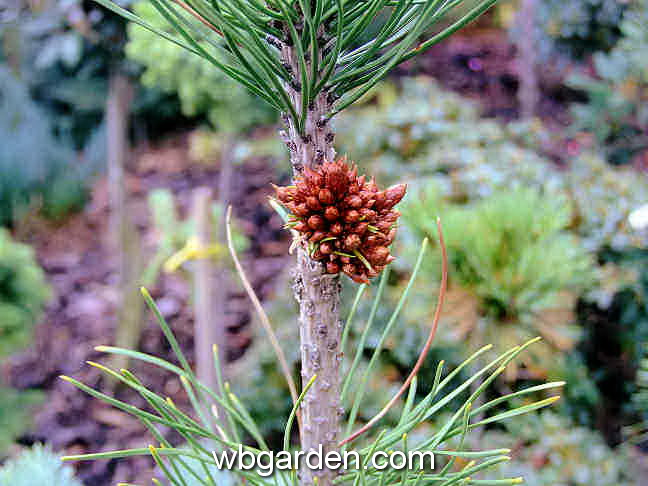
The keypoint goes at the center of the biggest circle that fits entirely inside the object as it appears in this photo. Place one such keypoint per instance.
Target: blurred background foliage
(36, 169)
(436, 136)
(537, 247)
(553, 450)
(39, 465)
(202, 90)
(56, 58)
(535, 213)
(579, 27)
(23, 295)
(515, 270)
(617, 108)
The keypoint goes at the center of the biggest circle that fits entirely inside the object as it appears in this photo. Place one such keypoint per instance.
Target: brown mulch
(81, 270)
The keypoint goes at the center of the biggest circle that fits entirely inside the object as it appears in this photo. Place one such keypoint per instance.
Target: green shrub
(23, 294)
(16, 408)
(202, 89)
(35, 167)
(511, 254)
(640, 397)
(439, 137)
(617, 108)
(578, 27)
(553, 451)
(38, 465)
(512, 248)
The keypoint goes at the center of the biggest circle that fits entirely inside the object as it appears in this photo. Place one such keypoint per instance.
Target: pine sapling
(310, 60)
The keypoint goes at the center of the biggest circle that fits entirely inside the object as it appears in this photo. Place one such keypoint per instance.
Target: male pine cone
(346, 221)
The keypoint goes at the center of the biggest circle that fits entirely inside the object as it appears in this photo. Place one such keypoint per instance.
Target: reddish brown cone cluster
(347, 222)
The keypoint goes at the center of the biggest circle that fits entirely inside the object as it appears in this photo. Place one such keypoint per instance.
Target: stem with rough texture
(318, 295)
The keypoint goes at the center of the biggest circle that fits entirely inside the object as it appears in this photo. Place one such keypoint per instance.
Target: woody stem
(318, 295)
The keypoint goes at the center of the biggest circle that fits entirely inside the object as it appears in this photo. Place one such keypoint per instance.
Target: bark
(320, 333)
(529, 91)
(318, 295)
(125, 239)
(120, 93)
(206, 329)
(210, 299)
(221, 272)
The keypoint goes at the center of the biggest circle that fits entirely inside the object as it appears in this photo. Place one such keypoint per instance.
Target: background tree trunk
(207, 330)
(125, 239)
(221, 270)
(529, 89)
(210, 300)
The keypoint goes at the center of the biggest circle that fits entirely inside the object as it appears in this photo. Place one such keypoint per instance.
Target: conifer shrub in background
(510, 252)
(23, 294)
(419, 133)
(555, 451)
(578, 27)
(202, 90)
(37, 465)
(416, 130)
(616, 111)
(36, 169)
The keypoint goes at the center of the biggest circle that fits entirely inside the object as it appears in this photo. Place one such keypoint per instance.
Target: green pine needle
(242, 38)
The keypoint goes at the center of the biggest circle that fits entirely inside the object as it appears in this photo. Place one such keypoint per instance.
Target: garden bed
(81, 269)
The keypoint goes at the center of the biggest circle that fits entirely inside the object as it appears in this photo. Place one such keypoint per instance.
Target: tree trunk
(220, 272)
(125, 240)
(528, 91)
(318, 295)
(207, 330)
